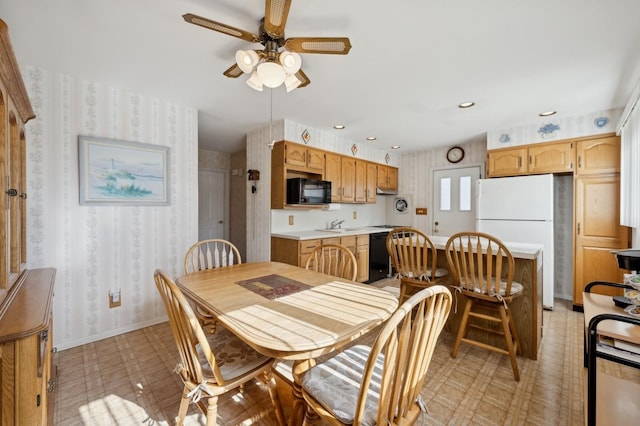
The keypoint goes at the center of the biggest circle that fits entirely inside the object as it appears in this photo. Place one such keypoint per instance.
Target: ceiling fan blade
(303, 78)
(275, 17)
(220, 27)
(331, 45)
(233, 71)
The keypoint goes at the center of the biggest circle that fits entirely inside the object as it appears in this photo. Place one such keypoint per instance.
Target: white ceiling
(411, 64)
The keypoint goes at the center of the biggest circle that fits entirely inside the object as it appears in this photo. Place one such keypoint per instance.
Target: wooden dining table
(290, 313)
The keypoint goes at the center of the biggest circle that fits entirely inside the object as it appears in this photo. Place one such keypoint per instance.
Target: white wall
(100, 248)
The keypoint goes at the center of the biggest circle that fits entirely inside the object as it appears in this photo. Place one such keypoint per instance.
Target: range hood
(385, 191)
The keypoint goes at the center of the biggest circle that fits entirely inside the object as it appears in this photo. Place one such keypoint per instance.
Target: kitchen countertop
(318, 233)
(518, 250)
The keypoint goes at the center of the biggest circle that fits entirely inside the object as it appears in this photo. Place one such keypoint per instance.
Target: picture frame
(117, 172)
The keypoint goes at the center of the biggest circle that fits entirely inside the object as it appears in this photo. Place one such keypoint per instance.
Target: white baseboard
(95, 337)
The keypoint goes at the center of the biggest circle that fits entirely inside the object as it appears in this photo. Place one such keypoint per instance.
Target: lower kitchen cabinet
(362, 257)
(296, 252)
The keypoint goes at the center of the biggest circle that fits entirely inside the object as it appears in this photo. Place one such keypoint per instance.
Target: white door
(454, 199)
(212, 196)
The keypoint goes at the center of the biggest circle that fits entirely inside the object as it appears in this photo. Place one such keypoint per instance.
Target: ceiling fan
(279, 61)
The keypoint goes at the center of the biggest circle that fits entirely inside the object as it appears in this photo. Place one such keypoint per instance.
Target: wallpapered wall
(96, 249)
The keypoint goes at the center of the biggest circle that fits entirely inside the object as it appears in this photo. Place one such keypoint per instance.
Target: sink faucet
(336, 224)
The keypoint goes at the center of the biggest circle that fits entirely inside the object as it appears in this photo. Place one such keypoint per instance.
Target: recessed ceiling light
(395, 146)
(466, 104)
(547, 113)
(339, 126)
(371, 138)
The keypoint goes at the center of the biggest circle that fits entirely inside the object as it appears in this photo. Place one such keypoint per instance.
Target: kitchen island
(526, 309)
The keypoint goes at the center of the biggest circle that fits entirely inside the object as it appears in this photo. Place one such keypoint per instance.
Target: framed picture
(121, 172)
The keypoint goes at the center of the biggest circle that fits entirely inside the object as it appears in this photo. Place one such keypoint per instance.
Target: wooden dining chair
(381, 384)
(207, 254)
(204, 375)
(414, 258)
(333, 259)
(483, 269)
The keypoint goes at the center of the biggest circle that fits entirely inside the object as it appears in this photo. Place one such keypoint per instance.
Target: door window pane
(465, 193)
(445, 194)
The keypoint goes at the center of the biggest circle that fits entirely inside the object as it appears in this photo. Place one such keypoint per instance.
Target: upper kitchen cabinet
(387, 178)
(303, 157)
(372, 181)
(361, 181)
(555, 157)
(285, 165)
(552, 157)
(507, 162)
(348, 180)
(352, 180)
(598, 156)
(333, 173)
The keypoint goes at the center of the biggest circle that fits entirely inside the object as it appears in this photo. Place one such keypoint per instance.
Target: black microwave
(308, 191)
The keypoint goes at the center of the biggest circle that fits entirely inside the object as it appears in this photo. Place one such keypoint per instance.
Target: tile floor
(128, 380)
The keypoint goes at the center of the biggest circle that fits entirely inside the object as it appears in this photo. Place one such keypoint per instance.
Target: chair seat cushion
(440, 272)
(516, 288)
(335, 384)
(234, 357)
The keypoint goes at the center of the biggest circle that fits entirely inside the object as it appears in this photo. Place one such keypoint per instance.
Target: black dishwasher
(379, 262)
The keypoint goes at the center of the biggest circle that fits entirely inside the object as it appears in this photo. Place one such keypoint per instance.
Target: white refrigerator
(520, 209)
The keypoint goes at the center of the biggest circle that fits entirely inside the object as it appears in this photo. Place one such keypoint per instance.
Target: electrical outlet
(114, 299)
(355, 215)
(290, 219)
(421, 210)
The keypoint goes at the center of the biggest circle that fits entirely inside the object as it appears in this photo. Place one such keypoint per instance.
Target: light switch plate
(421, 210)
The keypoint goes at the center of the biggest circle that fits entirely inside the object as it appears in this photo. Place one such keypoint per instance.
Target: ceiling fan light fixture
(254, 82)
(247, 60)
(271, 74)
(291, 62)
(291, 82)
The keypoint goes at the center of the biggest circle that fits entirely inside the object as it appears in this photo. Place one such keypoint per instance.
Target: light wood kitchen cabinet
(387, 177)
(27, 375)
(296, 252)
(597, 232)
(352, 180)
(348, 180)
(361, 182)
(333, 173)
(362, 257)
(372, 182)
(296, 155)
(598, 156)
(507, 162)
(554, 157)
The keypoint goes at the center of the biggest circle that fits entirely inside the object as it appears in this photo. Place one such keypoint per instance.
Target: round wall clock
(455, 154)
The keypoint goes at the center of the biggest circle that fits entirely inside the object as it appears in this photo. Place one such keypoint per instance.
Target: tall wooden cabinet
(597, 229)
(27, 376)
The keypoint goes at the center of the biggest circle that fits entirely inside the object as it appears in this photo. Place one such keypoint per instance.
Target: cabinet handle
(12, 192)
(519, 162)
(579, 161)
(530, 159)
(578, 228)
